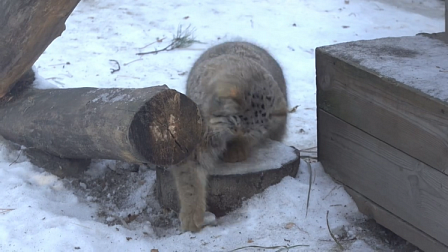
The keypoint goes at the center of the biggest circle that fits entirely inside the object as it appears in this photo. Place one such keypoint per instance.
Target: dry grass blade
(182, 39)
(331, 234)
(294, 109)
(280, 248)
(18, 156)
(309, 187)
(309, 149)
(5, 210)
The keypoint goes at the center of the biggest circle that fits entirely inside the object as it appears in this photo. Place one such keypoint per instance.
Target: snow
(99, 212)
(421, 61)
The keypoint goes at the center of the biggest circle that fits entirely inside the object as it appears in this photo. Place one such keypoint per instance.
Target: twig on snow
(18, 156)
(182, 39)
(5, 210)
(112, 70)
(125, 64)
(309, 187)
(294, 109)
(158, 40)
(280, 248)
(331, 234)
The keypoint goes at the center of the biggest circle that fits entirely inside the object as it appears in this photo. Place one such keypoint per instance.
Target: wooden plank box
(383, 131)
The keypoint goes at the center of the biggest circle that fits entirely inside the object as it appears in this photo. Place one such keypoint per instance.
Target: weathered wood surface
(399, 183)
(232, 183)
(352, 85)
(396, 224)
(154, 125)
(26, 29)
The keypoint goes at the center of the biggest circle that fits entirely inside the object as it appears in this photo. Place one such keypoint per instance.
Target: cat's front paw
(192, 220)
(236, 151)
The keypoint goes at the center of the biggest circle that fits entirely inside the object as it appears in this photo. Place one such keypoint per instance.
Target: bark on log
(154, 125)
(26, 29)
(232, 183)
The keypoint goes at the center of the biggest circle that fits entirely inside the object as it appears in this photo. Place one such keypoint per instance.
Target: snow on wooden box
(383, 131)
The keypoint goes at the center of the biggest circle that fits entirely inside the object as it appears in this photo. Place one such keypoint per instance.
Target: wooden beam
(26, 29)
(390, 178)
(154, 125)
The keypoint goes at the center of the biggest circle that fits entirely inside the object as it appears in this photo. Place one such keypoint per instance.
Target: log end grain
(167, 128)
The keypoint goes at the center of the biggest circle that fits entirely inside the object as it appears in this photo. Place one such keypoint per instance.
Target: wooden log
(154, 125)
(231, 183)
(26, 29)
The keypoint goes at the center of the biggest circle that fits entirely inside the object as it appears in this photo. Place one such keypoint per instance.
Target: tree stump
(231, 183)
(26, 29)
(154, 125)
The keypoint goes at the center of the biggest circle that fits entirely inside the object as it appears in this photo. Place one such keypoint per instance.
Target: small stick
(115, 70)
(309, 188)
(307, 149)
(125, 64)
(182, 39)
(5, 210)
(294, 109)
(334, 188)
(157, 41)
(273, 247)
(332, 236)
(13, 162)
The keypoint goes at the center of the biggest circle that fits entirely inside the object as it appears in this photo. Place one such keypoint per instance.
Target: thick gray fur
(241, 93)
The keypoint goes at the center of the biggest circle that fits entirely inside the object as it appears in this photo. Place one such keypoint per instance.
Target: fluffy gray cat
(241, 93)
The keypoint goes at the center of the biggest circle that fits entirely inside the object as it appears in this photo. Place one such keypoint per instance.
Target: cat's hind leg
(191, 182)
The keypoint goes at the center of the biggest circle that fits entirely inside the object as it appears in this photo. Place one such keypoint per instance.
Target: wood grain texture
(396, 224)
(401, 116)
(26, 29)
(390, 178)
(154, 125)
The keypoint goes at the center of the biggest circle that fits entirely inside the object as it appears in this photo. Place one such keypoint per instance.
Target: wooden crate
(383, 131)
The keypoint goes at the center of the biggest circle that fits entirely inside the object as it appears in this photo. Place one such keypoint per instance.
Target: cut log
(155, 125)
(26, 29)
(231, 183)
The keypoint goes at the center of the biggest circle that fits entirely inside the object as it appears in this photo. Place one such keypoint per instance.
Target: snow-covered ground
(39, 212)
